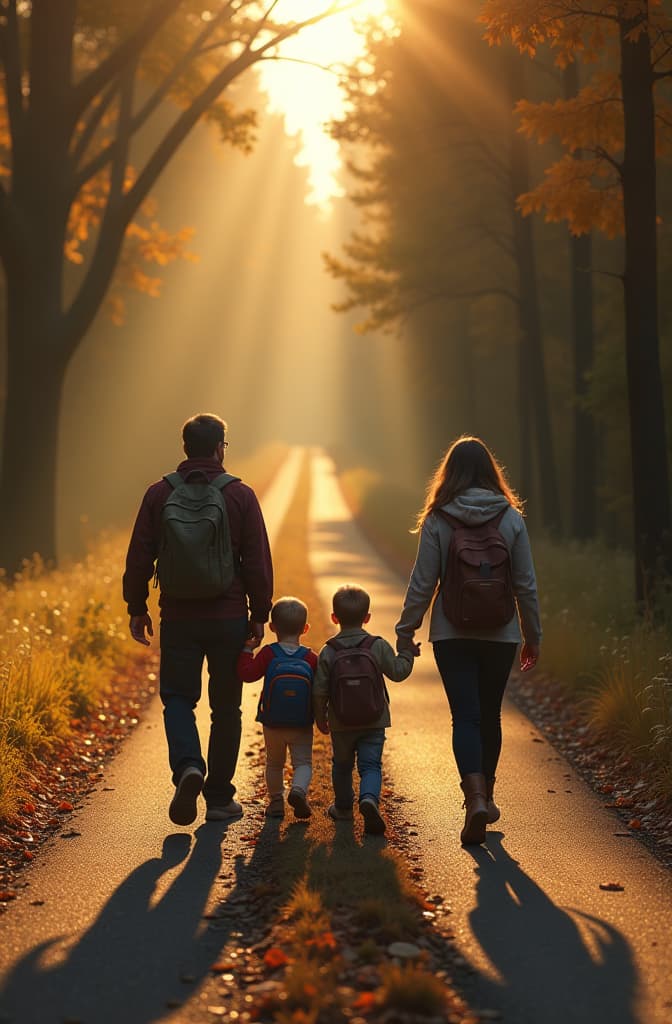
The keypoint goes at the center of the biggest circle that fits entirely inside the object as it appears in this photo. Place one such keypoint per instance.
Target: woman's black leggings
(474, 674)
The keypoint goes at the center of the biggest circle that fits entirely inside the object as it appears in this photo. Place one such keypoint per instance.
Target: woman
(474, 637)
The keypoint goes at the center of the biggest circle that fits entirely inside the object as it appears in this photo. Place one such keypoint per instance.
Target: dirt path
(546, 944)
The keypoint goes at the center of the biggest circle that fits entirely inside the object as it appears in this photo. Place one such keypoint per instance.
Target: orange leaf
(222, 967)
(64, 806)
(364, 1001)
(275, 957)
(634, 823)
(27, 855)
(6, 896)
(28, 808)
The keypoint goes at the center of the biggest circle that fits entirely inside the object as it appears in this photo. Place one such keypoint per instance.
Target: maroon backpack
(356, 686)
(477, 587)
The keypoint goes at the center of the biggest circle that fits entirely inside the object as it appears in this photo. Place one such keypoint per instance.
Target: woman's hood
(476, 506)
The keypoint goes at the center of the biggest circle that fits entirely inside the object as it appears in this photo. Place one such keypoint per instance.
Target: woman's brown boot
(493, 809)
(475, 801)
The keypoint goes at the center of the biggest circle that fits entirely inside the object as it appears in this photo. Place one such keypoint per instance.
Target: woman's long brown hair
(467, 463)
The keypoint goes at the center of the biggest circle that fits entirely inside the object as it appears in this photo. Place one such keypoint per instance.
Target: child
(285, 705)
(351, 740)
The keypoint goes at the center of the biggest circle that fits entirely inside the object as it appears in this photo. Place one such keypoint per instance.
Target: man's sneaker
(340, 813)
(373, 822)
(182, 808)
(275, 808)
(297, 800)
(228, 812)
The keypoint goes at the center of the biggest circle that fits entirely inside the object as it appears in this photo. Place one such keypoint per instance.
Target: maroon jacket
(253, 585)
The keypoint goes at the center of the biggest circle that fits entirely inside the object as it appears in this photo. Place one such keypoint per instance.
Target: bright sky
(310, 97)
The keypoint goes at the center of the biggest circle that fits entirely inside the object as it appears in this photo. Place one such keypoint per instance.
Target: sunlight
(308, 95)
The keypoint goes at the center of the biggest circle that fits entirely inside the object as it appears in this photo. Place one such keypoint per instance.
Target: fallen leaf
(64, 807)
(365, 1001)
(634, 823)
(6, 896)
(612, 886)
(275, 957)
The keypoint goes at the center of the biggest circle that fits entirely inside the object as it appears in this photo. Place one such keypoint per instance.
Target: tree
(611, 185)
(81, 81)
(437, 170)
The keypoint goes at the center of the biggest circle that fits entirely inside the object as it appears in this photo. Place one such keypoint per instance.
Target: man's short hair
(201, 434)
(289, 615)
(351, 605)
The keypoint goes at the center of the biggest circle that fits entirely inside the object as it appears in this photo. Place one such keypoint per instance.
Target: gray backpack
(195, 555)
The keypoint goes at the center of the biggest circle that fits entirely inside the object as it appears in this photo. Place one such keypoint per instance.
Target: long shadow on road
(131, 965)
(555, 965)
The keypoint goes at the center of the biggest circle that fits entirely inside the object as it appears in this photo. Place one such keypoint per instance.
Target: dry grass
(63, 632)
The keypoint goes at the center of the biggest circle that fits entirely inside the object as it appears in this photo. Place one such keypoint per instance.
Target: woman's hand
(529, 656)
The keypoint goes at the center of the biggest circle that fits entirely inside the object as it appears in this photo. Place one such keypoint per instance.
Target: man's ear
(334, 619)
(272, 628)
(367, 617)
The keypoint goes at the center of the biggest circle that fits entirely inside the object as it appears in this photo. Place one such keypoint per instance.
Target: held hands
(138, 625)
(255, 635)
(529, 655)
(323, 727)
(406, 644)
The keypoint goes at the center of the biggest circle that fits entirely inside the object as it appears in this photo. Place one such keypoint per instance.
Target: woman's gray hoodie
(474, 506)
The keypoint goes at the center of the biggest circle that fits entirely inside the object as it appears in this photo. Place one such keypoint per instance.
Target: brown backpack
(357, 690)
(477, 587)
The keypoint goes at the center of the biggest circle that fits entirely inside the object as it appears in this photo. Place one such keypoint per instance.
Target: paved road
(121, 919)
(547, 945)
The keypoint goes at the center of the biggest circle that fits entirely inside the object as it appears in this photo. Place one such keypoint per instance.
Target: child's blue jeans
(366, 746)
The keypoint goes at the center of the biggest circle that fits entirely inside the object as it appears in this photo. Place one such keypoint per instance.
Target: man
(213, 627)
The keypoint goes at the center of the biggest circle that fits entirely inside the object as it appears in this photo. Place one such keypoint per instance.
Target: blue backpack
(287, 694)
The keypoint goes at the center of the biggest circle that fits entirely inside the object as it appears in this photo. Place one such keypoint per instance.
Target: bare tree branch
(90, 86)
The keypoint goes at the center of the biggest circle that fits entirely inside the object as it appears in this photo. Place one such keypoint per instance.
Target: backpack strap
(335, 644)
(453, 520)
(223, 479)
(367, 643)
(174, 479)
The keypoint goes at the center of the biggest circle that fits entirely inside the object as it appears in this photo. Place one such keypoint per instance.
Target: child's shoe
(340, 813)
(373, 822)
(275, 807)
(297, 800)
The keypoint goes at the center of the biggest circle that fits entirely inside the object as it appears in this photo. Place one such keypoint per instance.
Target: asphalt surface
(111, 923)
(112, 919)
(546, 944)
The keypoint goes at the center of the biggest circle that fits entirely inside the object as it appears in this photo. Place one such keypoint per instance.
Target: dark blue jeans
(366, 746)
(474, 674)
(184, 646)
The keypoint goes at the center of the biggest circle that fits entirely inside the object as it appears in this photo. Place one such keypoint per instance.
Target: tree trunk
(584, 456)
(650, 478)
(534, 405)
(28, 474)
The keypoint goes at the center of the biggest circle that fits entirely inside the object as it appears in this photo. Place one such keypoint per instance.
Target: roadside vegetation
(63, 641)
(616, 667)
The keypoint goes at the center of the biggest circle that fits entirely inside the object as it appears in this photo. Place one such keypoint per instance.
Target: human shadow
(146, 949)
(555, 964)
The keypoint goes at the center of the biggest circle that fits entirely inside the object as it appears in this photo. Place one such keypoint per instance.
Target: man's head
(350, 606)
(289, 617)
(204, 436)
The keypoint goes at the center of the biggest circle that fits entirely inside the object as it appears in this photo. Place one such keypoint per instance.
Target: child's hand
(252, 643)
(405, 644)
(323, 727)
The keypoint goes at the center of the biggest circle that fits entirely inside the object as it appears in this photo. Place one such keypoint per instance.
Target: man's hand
(529, 656)
(138, 625)
(255, 634)
(323, 727)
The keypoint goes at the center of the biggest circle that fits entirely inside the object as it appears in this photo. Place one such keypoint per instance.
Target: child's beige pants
(300, 743)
